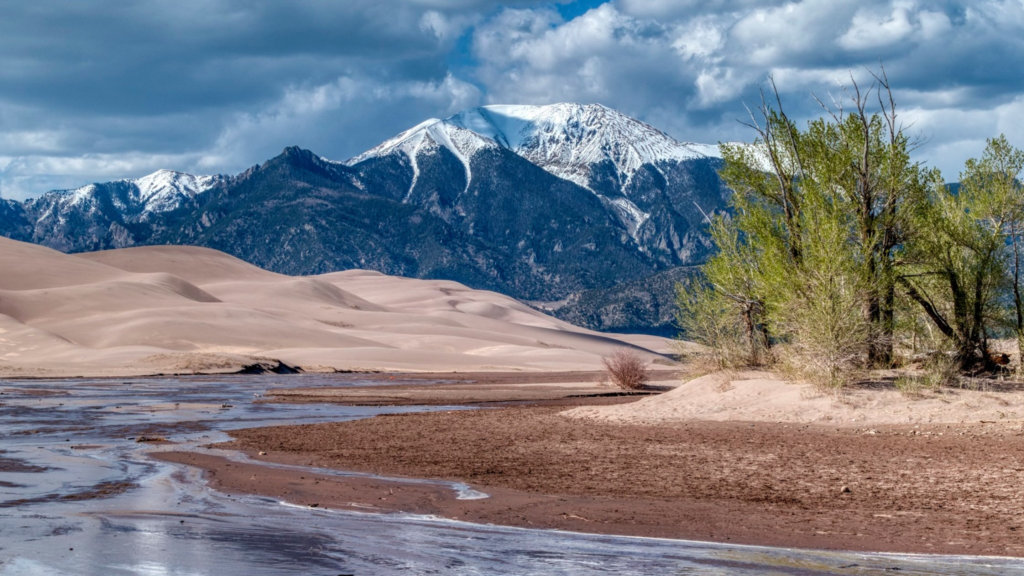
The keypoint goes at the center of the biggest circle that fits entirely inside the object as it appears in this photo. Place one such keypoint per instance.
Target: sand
(184, 310)
(473, 388)
(761, 397)
(938, 488)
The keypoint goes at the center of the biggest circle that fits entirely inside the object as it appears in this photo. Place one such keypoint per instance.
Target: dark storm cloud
(90, 89)
(115, 88)
(158, 57)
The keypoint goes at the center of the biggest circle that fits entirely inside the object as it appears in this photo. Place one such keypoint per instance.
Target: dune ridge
(184, 309)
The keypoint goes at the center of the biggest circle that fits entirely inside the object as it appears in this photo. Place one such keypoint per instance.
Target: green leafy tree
(835, 230)
(968, 240)
(726, 313)
(819, 215)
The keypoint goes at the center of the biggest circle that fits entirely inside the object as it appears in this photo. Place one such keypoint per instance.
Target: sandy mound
(171, 309)
(758, 396)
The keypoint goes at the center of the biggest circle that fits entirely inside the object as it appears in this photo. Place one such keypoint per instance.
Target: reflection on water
(65, 442)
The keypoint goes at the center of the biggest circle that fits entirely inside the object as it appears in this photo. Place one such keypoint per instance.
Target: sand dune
(173, 309)
(760, 396)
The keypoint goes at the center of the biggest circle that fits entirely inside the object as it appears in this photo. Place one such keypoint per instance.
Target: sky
(109, 89)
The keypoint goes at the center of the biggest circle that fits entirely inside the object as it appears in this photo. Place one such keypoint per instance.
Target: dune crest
(183, 309)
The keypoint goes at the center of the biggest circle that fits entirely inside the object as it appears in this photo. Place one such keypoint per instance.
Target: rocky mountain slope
(652, 184)
(542, 203)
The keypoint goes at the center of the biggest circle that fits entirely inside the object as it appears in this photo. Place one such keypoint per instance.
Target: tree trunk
(929, 309)
(1017, 304)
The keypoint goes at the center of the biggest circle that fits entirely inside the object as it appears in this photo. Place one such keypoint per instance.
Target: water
(64, 441)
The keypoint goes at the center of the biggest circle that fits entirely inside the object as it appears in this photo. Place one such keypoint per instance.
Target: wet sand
(940, 489)
(477, 388)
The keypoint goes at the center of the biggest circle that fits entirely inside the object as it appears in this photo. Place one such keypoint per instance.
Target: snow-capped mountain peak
(163, 190)
(434, 132)
(591, 145)
(565, 139)
(568, 139)
(136, 199)
(428, 136)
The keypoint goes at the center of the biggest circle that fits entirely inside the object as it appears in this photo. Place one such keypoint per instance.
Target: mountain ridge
(541, 203)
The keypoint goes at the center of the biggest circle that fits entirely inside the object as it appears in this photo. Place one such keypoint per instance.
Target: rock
(263, 453)
(845, 490)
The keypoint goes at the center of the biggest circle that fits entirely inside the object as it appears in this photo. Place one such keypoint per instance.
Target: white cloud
(218, 85)
(688, 66)
(337, 117)
(871, 29)
(702, 38)
(28, 176)
(953, 134)
(933, 24)
(717, 85)
(446, 27)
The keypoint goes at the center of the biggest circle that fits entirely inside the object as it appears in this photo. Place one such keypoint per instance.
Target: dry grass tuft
(627, 369)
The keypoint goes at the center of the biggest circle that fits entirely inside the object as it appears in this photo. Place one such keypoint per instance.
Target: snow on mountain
(571, 141)
(428, 136)
(564, 139)
(568, 139)
(163, 190)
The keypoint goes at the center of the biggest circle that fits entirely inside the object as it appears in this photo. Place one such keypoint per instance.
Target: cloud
(689, 66)
(872, 29)
(25, 176)
(113, 88)
(336, 119)
(333, 119)
(90, 91)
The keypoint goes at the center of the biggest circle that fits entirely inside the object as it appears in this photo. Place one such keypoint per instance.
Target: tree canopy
(843, 251)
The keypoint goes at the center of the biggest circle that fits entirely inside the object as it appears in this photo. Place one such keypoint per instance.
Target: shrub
(711, 320)
(910, 386)
(627, 369)
(941, 370)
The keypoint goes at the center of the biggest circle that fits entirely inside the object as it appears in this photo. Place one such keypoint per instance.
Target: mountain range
(578, 209)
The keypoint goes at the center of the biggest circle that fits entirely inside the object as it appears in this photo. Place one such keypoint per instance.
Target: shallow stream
(78, 496)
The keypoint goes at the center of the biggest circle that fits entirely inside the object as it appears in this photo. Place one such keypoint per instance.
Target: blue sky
(109, 89)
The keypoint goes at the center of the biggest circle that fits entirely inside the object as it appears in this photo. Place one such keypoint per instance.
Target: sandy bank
(760, 397)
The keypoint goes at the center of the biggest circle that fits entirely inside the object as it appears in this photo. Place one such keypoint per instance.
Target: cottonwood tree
(726, 312)
(821, 213)
(835, 228)
(965, 259)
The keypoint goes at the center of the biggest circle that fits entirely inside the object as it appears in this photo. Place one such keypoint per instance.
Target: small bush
(941, 370)
(712, 321)
(910, 386)
(826, 378)
(627, 369)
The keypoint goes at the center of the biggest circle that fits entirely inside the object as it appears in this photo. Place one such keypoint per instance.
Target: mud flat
(938, 488)
(477, 388)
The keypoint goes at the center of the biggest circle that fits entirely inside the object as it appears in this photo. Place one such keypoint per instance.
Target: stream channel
(79, 496)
